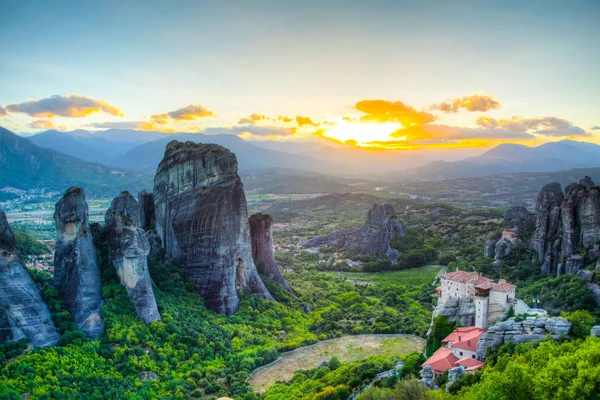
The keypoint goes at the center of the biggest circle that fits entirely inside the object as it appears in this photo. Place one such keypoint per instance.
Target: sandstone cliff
(375, 235)
(76, 271)
(262, 248)
(23, 313)
(129, 249)
(202, 220)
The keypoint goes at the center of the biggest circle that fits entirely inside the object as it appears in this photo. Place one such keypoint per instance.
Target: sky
(379, 74)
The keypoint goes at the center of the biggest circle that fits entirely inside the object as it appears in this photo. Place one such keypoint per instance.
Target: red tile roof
(464, 277)
(465, 338)
(503, 287)
(470, 364)
(441, 360)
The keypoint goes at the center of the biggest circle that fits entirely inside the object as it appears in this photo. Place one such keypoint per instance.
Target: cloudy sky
(393, 74)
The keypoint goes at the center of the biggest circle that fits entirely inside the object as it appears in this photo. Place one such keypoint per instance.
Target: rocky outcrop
(489, 250)
(501, 250)
(147, 217)
(375, 235)
(516, 216)
(76, 271)
(126, 207)
(129, 249)
(532, 328)
(262, 248)
(453, 375)
(427, 377)
(545, 239)
(202, 220)
(23, 313)
(460, 309)
(595, 331)
(562, 229)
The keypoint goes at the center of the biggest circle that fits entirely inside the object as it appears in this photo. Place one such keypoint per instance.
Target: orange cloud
(72, 105)
(139, 125)
(474, 102)
(252, 118)
(42, 124)
(187, 113)
(305, 121)
(392, 111)
(285, 119)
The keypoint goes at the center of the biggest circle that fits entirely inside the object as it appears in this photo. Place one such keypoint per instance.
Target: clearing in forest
(407, 277)
(347, 349)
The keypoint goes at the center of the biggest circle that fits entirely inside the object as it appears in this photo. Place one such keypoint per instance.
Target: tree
(581, 323)
(334, 363)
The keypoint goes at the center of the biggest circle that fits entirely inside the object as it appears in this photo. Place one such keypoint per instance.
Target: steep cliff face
(565, 223)
(76, 271)
(23, 313)
(547, 234)
(147, 217)
(516, 216)
(129, 249)
(262, 248)
(202, 220)
(381, 226)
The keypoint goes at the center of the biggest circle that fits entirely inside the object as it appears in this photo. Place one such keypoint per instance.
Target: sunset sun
(363, 133)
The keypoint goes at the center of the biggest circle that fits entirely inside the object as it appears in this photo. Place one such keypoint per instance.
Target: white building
(492, 300)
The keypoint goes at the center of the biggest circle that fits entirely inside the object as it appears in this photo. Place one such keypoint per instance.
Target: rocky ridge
(23, 313)
(375, 235)
(202, 220)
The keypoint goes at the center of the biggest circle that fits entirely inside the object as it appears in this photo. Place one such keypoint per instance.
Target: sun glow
(363, 133)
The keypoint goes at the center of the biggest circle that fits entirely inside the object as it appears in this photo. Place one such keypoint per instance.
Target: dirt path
(347, 349)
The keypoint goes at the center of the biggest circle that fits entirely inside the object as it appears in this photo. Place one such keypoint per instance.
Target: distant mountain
(23, 165)
(286, 181)
(513, 158)
(85, 148)
(250, 157)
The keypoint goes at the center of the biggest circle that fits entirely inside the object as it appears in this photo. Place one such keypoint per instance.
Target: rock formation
(427, 377)
(23, 313)
(453, 375)
(202, 220)
(532, 328)
(457, 309)
(545, 239)
(502, 248)
(129, 249)
(595, 331)
(375, 235)
(262, 248)
(489, 250)
(147, 217)
(515, 217)
(76, 271)
(566, 223)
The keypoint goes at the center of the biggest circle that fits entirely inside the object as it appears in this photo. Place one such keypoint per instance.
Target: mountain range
(513, 158)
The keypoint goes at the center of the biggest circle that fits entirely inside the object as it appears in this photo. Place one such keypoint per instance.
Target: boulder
(594, 252)
(23, 313)
(502, 249)
(129, 249)
(595, 331)
(489, 249)
(202, 221)
(262, 248)
(76, 271)
(587, 275)
(147, 217)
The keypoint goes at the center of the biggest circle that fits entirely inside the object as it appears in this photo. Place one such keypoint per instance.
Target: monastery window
(461, 353)
(473, 355)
